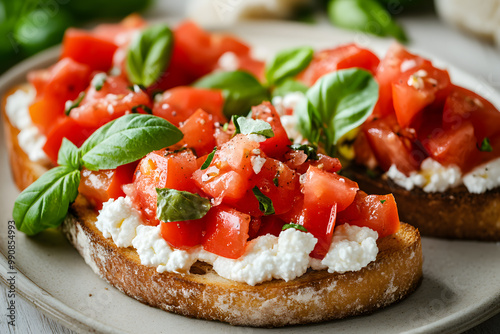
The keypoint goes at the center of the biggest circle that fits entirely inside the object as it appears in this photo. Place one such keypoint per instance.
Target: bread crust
(316, 296)
(453, 214)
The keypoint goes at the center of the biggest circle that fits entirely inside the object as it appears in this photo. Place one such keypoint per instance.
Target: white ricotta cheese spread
(434, 177)
(30, 139)
(267, 257)
(119, 220)
(483, 178)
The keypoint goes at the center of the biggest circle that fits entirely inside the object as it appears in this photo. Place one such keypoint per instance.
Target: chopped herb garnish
(265, 203)
(143, 107)
(99, 80)
(310, 150)
(382, 201)
(295, 226)
(70, 105)
(275, 181)
(485, 146)
(209, 159)
(249, 126)
(225, 126)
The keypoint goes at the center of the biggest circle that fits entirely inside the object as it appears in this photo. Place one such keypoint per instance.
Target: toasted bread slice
(313, 297)
(454, 214)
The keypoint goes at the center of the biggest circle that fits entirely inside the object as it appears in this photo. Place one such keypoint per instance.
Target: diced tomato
(62, 82)
(325, 188)
(161, 169)
(113, 100)
(226, 232)
(254, 227)
(278, 182)
(396, 61)
(452, 146)
(390, 147)
(198, 131)
(277, 145)
(415, 90)
(271, 225)
(65, 127)
(465, 105)
(325, 194)
(200, 50)
(378, 212)
(88, 48)
(99, 186)
(342, 57)
(183, 234)
(227, 177)
(46, 113)
(297, 160)
(178, 104)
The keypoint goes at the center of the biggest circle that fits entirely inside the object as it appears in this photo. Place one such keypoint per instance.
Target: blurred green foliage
(29, 26)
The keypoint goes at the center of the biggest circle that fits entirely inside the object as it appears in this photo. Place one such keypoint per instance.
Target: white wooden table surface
(427, 33)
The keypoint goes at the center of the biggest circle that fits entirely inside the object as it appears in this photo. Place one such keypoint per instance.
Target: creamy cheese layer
(434, 177)
(30, 139)
(267, 257)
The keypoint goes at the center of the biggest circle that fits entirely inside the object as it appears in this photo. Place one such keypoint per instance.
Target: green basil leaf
(175, 205)
(485, 145)
(44, 204)
(70, 105)
(209, 159)
(127, 139)
(240, 89)
(69, 155)
(249, 126)
(265, 203)
(288, 63)
(364, 15)
(337, 103)
(310, 150)
(289, 86)
(149, 54)
(295, 226)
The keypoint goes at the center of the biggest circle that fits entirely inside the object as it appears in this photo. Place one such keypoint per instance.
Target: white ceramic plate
(461, 285)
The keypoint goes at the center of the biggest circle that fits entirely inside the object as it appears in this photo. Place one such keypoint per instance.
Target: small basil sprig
(45, 203)
(485, 145)
(295, 226)
(288, 63)
(149, 54)
(265, 203)
(240, 89)
(337, 103)
(249, 126)
(70, 105)
(209, 159)
(364, 15)
(175, 205)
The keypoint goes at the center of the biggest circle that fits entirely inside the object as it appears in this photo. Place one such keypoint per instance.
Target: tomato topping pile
(421, 114)
(255, 184)
(241, 171)
(89, 85)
